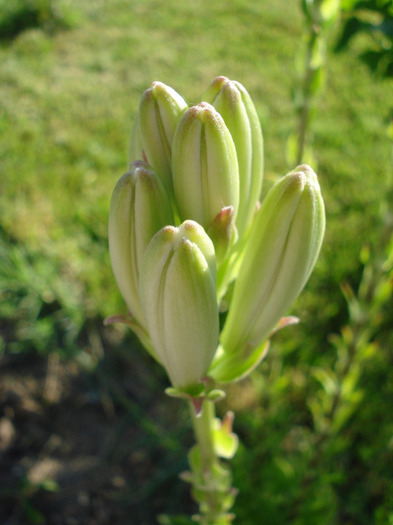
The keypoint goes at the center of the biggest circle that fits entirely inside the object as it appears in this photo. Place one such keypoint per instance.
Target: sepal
(228, 368)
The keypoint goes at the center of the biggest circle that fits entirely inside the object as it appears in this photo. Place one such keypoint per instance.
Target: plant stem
(307, 95)
(203, 429)
(210, 479)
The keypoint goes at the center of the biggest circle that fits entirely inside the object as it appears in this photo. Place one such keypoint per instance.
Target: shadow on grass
(19, 15)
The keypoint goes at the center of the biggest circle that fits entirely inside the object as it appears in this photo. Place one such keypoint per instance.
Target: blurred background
(87, 435)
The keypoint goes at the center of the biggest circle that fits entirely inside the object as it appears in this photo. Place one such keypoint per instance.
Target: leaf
(164, 519)
(351, 28)
(49, 485)
(194, 459)
(225, 441)
(326, 378)
(227, 368)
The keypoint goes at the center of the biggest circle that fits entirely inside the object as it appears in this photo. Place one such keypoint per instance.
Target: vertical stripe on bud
(282, 249)
(135, 147)
(234, 104)
(159, 112)
(204, 165)
(178, 293)
(139, 208)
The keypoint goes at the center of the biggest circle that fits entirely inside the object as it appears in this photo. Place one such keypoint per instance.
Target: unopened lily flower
(281, 251)
(159, 112)
(139, 208)
(204, 166)
(178, 294)
(235, 106)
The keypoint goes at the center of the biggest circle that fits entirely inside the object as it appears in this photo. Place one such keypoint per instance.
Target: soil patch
(103, 450)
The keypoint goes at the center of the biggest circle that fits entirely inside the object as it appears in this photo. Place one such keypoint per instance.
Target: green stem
(210, 479)
(203, 429)
(307, 96)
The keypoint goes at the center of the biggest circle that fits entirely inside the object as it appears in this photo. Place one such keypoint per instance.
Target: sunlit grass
(67, 101)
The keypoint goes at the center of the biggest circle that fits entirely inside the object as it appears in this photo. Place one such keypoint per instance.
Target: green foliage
(328, 448)
(321, 12)
(42, 308)
(210, 478)
(175, 520)
(24, 493)
(310, 65)
(18, 15)
(373, 18)
(225, 441)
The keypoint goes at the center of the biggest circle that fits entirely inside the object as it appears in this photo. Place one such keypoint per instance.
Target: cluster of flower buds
(186, 222)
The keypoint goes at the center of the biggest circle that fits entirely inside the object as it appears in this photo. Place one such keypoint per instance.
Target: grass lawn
(67, 103)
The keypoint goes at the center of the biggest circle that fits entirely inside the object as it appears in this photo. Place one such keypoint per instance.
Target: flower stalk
(210, 479)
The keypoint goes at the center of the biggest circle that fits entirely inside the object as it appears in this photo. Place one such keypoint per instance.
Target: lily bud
(204, 165)
(178, 293)
(223, 233)
(234, 104)
(159, 112)
(284, 243)
(139, 208)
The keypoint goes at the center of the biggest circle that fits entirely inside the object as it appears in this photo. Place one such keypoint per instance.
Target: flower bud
(235, 106)
(159, 112)
(204, 166)
(139, 208)
(282, 249)
(178, 293)
(223, 233)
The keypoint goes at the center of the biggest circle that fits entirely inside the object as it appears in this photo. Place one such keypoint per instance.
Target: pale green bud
(234, 104)
(159, 112)
(204, 165)
(223, 233)
(282, 249)
(139, 208)
(178, 293)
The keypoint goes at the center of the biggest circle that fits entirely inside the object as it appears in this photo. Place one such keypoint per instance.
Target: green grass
(67, 101)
